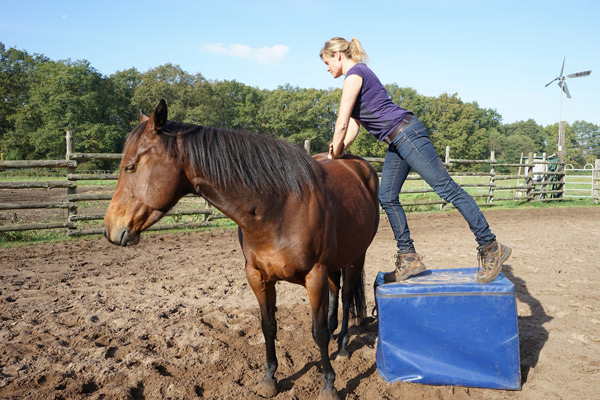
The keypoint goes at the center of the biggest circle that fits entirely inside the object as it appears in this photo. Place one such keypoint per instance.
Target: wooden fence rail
(549, 188)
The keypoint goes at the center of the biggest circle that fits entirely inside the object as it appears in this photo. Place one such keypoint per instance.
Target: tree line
(42, 98)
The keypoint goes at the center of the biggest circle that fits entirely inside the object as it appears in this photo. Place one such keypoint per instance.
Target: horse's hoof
(267, 387)
(342, 355)
(329, 394)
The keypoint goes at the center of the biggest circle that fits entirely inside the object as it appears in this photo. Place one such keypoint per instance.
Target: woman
(365, 102)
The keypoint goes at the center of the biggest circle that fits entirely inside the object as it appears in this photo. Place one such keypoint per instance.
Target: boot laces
(484, 259)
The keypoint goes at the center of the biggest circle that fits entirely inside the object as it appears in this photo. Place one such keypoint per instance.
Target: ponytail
(352, 49)
(357, 51)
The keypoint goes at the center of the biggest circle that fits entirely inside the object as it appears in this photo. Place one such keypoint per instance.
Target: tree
(528, 129)
(16, 70)
(463, 126)
(61, 96)
(410, 100)
(297, 115)
(41, 99)
(587, 138)
(167, 82)
(572, 151)
(236, 106)
(120, 88)
(514, 146)
(60, 99)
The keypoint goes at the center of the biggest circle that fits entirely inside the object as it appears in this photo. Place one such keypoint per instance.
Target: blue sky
(497, 53)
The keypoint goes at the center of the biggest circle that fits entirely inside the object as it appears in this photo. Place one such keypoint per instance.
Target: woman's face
(334, 64)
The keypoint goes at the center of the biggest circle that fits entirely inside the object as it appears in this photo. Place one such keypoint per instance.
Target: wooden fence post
(596, 181)
(307, 146)
(562, 127)
(529, 179)
(72, 210)
(544, 176)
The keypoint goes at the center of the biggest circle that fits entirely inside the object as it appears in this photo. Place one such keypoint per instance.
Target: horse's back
(354, 170)
(352, 186)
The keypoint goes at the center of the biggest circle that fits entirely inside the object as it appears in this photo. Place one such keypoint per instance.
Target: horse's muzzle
(123, 237)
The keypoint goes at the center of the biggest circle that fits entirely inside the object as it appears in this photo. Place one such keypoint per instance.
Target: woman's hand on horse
(331, 156)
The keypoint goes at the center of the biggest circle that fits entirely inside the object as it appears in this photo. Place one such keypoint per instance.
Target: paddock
(174, 317)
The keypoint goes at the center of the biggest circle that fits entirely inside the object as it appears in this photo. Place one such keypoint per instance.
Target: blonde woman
(365, 102)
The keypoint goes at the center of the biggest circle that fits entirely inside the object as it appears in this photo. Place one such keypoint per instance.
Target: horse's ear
(158, 119)
(143, 117)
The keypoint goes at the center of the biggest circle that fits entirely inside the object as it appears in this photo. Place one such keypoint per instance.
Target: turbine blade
(579, 74)
(550, 82)
(562, 68)
(565, 89)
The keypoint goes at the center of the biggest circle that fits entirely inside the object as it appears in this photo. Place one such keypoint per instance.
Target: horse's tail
(359, 309)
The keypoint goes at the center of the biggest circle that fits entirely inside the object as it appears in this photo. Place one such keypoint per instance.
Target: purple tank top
(373, 108)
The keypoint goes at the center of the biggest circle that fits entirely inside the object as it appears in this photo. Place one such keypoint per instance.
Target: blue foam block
(444, 328)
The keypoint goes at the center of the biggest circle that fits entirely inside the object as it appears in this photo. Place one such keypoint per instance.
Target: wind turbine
(563, 85)
(561, 124)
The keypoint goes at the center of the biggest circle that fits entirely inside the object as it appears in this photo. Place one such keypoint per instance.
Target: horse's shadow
(532, 338)
(360, 336)
(532, 334)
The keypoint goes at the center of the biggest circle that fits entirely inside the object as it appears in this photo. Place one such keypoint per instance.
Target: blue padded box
(444, 328)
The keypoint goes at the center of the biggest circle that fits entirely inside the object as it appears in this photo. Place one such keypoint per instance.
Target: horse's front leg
(265, 294)
(317, 288)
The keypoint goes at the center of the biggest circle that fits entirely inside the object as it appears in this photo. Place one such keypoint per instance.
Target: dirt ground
(173, 317)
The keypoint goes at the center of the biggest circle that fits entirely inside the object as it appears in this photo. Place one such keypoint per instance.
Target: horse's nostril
(104, 231)
(123, 241)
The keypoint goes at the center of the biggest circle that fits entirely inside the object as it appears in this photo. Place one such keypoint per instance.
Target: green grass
(21, 238)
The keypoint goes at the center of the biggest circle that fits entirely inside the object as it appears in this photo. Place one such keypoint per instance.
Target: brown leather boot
(407, 265)
(491, 258)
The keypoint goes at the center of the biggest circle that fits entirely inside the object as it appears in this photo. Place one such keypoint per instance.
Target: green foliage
(41, 99)
(464, 127)
(530, 130)
(587, 140)
(297, 115)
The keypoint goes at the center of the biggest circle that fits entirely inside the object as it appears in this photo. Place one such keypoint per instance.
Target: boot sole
(504, 257)
(406, 275)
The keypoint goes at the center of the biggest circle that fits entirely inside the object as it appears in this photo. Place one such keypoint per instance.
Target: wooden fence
(75, 218)
(537, 180)
(547, 186)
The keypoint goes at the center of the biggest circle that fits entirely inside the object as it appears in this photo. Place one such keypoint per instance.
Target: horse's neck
(239, 204)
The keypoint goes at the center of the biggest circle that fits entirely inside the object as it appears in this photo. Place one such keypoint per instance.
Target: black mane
(228, 158)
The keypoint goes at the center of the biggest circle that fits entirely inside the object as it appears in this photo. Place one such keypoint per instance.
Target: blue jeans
(412, 149)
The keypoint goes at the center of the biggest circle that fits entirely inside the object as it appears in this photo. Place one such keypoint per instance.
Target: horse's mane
(228, 158)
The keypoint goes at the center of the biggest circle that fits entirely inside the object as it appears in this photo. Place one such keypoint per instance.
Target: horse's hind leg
(265, 294)
(353, 277)
(334, 290)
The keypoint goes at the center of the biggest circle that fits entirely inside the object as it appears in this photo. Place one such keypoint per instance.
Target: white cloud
(264, 56)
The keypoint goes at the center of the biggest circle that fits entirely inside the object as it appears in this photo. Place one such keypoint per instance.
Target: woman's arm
(351, 133)
(346, 128)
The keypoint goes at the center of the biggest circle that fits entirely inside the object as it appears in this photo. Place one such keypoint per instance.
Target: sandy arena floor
(173, 317)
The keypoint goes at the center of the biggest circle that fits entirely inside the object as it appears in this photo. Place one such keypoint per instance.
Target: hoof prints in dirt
(173, 318)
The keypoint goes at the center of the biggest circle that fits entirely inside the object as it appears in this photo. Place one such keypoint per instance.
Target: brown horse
(301, 219)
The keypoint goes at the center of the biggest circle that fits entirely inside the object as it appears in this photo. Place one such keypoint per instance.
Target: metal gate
(579, 182)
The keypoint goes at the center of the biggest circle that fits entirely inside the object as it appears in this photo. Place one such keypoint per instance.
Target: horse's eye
(130, 168)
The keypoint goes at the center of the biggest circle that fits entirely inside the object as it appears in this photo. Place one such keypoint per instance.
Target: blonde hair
(351, 49)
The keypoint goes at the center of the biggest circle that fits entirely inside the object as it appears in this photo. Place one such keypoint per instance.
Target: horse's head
(150, 182)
